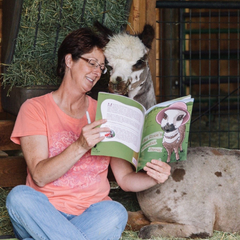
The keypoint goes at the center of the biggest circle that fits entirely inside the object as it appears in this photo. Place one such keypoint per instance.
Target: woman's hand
(90, 134)
(159, 171)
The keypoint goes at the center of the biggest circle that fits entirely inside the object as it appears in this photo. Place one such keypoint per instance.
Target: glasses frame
(95, 65)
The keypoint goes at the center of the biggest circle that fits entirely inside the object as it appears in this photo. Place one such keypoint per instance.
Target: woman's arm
(155, 172)
(44, 169)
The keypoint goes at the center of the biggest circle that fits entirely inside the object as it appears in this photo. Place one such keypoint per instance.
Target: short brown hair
(77, 43)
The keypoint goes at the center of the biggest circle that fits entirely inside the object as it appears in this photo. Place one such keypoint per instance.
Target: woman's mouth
(90, 79)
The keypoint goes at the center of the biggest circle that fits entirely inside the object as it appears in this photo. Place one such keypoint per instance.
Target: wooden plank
(142, 14)
(136, 16)
(3, 154)
(13, 171)
(6, 127)
(151, 19)
(133, 16)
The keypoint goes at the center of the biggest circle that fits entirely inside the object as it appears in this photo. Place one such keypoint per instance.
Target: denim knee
(15, 196)
(20, 197)
(119, 215)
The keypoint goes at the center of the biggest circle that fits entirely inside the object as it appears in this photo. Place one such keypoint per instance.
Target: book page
(166, 131)
(125, 118)
(125, 123)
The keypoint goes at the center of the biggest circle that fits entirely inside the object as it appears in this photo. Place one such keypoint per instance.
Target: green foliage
(43, 26)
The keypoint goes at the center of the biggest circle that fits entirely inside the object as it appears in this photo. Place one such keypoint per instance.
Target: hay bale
(43, 26)
(5, 223)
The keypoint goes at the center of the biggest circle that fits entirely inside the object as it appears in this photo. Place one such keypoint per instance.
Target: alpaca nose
(169, 127)
(118, 79)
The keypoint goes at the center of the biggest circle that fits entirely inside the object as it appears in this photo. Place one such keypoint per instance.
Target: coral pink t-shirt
(86, 182)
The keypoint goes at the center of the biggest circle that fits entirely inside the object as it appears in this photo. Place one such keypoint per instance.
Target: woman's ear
(68, 60)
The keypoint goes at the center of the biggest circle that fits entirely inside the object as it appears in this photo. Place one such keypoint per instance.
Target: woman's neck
(74, 105)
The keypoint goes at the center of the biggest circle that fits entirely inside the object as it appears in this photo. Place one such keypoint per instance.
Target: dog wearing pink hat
(172, 120)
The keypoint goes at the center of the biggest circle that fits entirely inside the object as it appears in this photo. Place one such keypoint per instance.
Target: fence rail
(198, 5)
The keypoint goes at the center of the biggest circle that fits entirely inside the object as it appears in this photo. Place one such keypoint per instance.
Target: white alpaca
(127, 55)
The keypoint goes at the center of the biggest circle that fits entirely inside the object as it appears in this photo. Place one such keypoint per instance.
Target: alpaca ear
(147, 35)
(105, 32)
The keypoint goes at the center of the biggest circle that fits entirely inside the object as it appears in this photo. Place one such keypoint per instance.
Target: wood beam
(6, 127)
(151, 19)
(13, 171)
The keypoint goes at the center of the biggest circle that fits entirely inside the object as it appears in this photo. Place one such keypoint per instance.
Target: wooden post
(142, 12)
(151, 19)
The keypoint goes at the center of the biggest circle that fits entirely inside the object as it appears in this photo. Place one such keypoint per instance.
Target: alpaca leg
(174, 230)
(181, 149)
(177, 154)
(169, 155)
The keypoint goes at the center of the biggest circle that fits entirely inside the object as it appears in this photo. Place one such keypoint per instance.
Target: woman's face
(83, 74)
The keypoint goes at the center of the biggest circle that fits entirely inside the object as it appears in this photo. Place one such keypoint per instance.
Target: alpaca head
(127, 57)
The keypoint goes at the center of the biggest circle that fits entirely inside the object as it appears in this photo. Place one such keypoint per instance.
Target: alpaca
(127, 56)
(200, 196)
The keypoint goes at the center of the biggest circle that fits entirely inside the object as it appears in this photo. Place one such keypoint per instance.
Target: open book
(139, 136)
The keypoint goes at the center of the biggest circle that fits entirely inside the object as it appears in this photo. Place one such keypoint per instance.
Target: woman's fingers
(159, 171)
(91, 134)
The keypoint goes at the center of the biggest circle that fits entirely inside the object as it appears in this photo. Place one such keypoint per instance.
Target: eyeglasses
(94, 63)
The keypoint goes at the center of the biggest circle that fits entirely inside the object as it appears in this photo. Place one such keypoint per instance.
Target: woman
(66, 192)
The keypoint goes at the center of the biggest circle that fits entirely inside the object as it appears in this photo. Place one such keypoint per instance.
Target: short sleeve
(31, 120)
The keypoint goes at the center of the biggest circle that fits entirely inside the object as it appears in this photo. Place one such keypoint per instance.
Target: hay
(43, 26)
(130, 235)
(5, 223)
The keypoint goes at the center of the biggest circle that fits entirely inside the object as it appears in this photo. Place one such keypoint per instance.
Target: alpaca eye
(109, 67)
(139, 65)
(180, 117)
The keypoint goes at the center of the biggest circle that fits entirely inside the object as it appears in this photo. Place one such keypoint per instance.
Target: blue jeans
(34, 217)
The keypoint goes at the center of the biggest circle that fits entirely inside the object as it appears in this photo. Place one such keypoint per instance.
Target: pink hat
(178, 106)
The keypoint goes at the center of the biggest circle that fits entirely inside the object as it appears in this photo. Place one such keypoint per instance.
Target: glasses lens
(93, 62)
